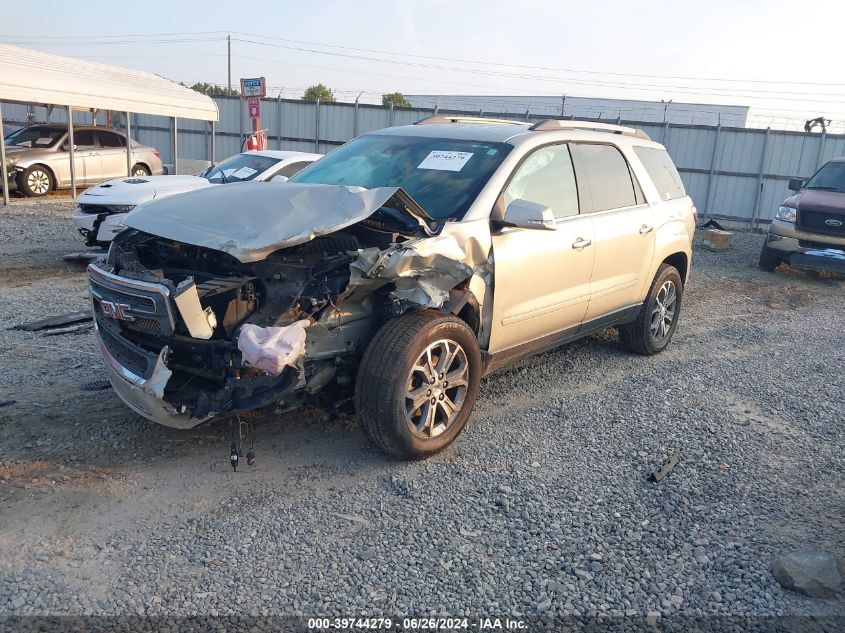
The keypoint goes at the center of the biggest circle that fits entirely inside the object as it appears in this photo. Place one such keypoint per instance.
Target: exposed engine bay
(208, 334)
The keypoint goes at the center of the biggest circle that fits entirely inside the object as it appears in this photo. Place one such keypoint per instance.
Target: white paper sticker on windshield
(243, 173)
(445, 160)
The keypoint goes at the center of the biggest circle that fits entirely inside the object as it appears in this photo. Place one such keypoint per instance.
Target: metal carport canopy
(34, 77)
(29, 76)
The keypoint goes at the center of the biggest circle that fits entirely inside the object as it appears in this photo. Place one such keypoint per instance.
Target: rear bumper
(802, 250)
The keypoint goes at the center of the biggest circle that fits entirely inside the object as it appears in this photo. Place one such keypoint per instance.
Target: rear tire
(417, 383)
(139, 171)
(769, 261)
(655, 324)
(36, 181)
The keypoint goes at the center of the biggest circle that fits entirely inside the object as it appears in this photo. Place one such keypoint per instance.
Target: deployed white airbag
(271, 349)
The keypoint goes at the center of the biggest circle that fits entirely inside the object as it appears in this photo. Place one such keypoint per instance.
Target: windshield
(830, 177)
(443, 175)
(34, 137)
(239, 168)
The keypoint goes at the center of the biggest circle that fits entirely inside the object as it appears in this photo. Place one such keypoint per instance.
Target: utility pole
(562, 104)
(229, 58)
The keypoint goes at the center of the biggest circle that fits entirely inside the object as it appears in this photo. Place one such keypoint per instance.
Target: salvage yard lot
(541, 506)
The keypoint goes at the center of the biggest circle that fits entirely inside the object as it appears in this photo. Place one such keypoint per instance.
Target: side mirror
(279, 178)
(795, 184)
(525, 214)
(66, 147)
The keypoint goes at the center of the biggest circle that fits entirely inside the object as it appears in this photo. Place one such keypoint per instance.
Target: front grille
(127, 354)
(138, 302)
(814, 221)
(137, 306)
(145, 326)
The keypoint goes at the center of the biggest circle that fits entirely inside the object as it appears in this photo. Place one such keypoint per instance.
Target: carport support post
(213, 141)
(3, 162)
(72, 153)
(174, 146)
(128, 146)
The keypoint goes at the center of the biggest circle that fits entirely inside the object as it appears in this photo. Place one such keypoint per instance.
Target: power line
(433, 57)
(560, 80)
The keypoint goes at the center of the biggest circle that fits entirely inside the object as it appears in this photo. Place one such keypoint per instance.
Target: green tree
(397, 99)
(213, 90)
(318, 93)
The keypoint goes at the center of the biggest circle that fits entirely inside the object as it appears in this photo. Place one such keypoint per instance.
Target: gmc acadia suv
(399, 270)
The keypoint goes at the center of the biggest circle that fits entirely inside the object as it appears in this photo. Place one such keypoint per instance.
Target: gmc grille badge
(116, 310)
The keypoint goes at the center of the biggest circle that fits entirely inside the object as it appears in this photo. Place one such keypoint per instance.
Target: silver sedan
(38, 157)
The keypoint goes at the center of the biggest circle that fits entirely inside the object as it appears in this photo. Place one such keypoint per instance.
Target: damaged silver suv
(398, 271)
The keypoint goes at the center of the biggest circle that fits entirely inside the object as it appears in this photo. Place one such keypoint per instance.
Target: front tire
(36, 181)
(139, 171)
(658, 317)
(417, 383)
(768, 261)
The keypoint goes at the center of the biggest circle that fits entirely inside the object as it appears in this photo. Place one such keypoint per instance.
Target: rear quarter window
(604, 172)
(662, 171)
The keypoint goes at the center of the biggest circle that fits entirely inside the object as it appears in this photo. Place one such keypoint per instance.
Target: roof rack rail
(439, 118)
(557, 124)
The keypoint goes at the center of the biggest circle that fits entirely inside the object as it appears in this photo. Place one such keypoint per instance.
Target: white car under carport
(100, 209)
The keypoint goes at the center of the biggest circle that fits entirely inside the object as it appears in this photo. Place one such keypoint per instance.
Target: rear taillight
(156, 153)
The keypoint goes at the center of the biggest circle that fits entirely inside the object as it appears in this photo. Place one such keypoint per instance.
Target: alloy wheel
(437, 387)
(38, 182)
(663, 312)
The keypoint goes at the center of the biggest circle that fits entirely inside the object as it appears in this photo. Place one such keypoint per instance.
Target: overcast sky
(607, 48)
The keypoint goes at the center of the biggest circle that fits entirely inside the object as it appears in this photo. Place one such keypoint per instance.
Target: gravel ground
(541, 507)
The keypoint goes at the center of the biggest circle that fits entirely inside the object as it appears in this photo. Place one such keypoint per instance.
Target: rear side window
(546, 177)
(109, 139)
(84, 138)
(662, 171)
(604, 171)
(293, 168)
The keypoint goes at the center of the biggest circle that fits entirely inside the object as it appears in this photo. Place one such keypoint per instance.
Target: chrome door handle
(581, 243)
(645, 229)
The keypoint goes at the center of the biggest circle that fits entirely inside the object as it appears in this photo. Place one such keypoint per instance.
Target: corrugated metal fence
(734, 174)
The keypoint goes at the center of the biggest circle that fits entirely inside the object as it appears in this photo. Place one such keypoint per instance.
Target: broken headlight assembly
(786, 214)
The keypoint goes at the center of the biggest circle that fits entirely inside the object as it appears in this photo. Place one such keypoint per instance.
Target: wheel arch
(680, 261)
(36, 163)
(142, 164)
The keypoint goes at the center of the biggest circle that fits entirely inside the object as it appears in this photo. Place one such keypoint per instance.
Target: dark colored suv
(808, 230)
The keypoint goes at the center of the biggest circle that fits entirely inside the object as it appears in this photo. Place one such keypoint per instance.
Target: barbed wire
(516, 106)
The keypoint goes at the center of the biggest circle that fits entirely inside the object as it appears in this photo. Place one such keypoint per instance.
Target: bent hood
(251, 220)
(134, 191)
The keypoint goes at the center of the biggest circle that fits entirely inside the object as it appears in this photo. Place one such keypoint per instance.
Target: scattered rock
(812, 572)
(367, 554)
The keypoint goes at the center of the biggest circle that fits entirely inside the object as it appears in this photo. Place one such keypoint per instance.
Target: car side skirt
(492, 362)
